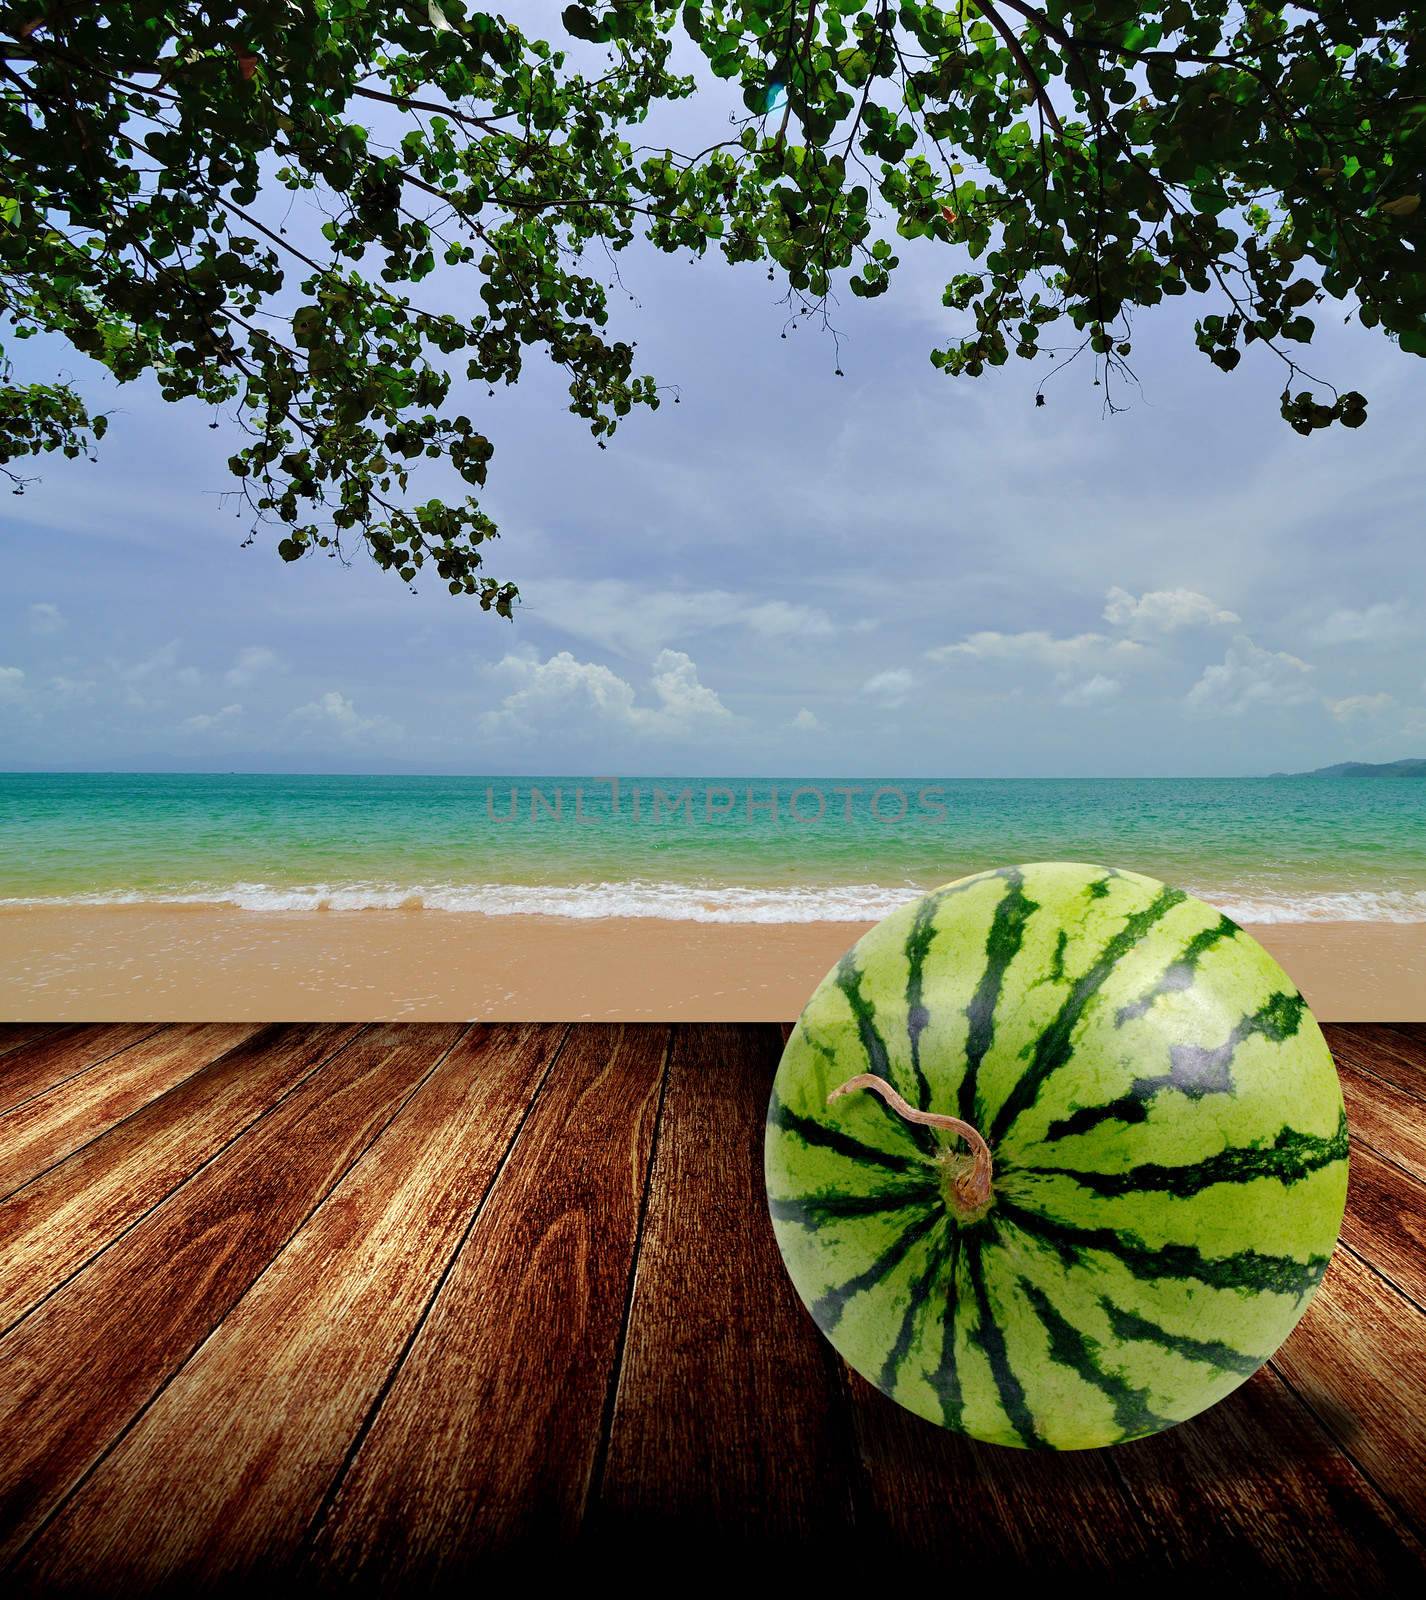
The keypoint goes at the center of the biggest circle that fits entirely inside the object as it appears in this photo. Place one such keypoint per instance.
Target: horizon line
(649, 777)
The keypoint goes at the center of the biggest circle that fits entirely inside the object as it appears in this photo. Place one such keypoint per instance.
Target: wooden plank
(1390, 1121)
(14, 1034)
(50, 1126)
(75, 1373)
(729, 1422)
(1013, 1509)
(63, 1053)
(1358, 1358)
(290, 1374)
(488, 1437)
(1386, 1222)
(1403, 1040)
(56, 1222)
(1363, 1047)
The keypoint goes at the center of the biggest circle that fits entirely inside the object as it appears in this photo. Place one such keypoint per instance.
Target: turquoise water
(1263, 849)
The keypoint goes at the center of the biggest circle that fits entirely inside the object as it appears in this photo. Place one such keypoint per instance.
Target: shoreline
(205, 963)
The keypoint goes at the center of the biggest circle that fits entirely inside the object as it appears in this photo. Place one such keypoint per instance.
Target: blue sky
(889, 572)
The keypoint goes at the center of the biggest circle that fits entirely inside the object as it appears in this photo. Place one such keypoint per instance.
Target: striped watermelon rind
(1169, 1147)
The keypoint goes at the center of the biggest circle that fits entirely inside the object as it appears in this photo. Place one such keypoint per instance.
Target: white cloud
(637, 621)
(1163, 611)
(1040, 648)
(1249, 677)
(586, 697)
(12, 683)
(890, 687)
(211, 719)
(73, 688)
(251, 663)
(46, 618)
(683, 697)
(335, 713)
(1352, 706)
(780, 619)
(155, 675)
(1367, 625)
(1093, 691)
(807, 721)
(161, 661)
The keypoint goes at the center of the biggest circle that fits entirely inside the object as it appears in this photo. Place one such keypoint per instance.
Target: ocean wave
(1336, 905)
(684, 902)
(673, 902)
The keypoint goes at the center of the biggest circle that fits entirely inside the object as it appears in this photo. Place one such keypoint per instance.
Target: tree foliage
(1077, 161)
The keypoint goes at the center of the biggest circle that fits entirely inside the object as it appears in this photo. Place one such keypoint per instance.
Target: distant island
(1364, 769)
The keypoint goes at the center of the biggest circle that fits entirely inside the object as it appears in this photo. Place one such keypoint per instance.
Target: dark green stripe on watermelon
(946, 1379)
(1130, 1325)
(1055, 1045)
(820, 1136)
(922, 1290)
(829, 1306)
(1291, 1157)
(918, 945)
(1194, 1070)
(989, 1335)
(1002, 945)
(1249, 1270)
(1069, 1347)
(813, 1211)
(849, 981)
(1181, 974)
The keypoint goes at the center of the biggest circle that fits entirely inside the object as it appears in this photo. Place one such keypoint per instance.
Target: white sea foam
(683, 902)
(1339, 905)
(678, 902)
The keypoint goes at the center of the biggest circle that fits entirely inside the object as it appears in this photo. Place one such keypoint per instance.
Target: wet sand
(215, 963)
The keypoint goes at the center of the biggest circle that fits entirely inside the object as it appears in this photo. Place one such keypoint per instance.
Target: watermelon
(1056, 1156)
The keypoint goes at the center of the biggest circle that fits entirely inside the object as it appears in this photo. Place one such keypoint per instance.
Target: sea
(771, 850)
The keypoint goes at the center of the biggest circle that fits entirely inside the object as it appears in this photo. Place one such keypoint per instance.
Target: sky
(893, 572)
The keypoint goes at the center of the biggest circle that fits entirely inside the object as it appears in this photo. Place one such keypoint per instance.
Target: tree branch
(1032, 78)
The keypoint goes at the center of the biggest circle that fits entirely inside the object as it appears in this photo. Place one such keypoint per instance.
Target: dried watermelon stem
(972, 1187)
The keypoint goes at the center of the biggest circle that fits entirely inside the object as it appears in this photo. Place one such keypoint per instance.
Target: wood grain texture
(1386, 1222)
(14, 1034)
(1256, 1497)
(1402, 1040)
(54, 1223)
(729, 1429)
(80, 1368)
(48, 1127)
(1067, 1513)
(1358, 1358)
(1385, 1118)
(487, 1439)
(303, 1357)
(1383, 1052)
(57, 1054)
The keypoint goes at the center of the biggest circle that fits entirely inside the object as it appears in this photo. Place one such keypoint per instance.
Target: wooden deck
(384, 1306)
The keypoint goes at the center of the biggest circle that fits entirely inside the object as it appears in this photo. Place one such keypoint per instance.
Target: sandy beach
(219, 963)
